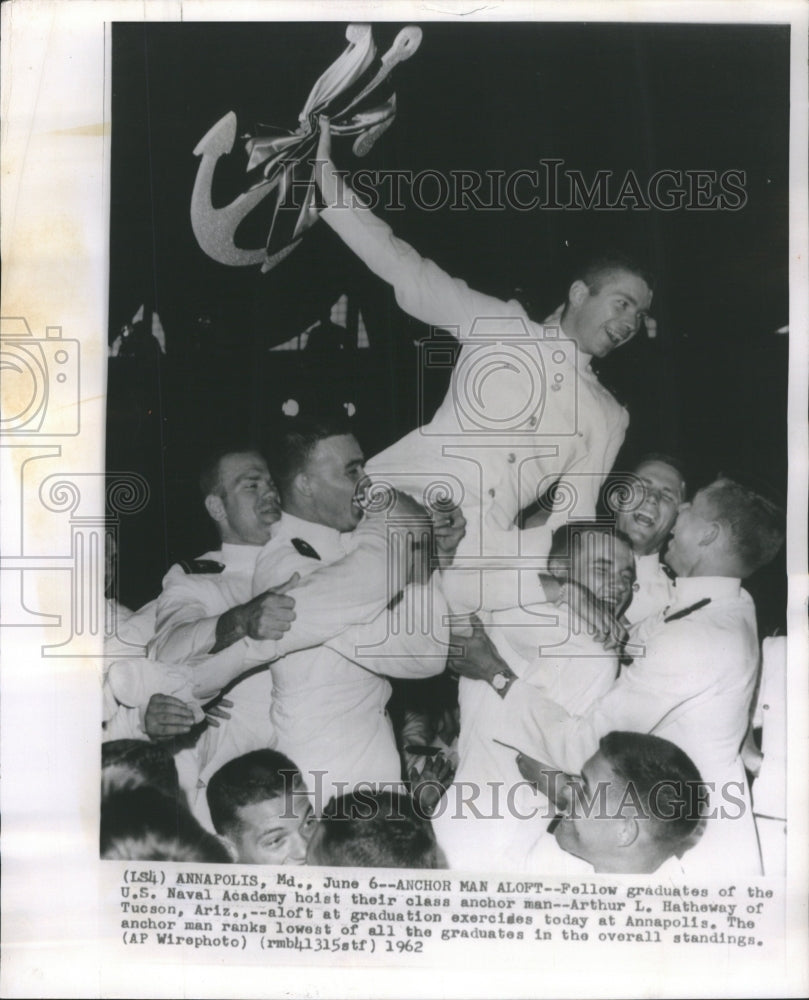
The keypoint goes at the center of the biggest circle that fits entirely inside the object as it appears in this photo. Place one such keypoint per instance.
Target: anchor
(281, 164)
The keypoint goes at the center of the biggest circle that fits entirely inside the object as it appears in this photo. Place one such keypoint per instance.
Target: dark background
(712, 387)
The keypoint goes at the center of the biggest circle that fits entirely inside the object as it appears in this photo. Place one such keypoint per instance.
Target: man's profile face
(600, 321)
(693, 521)
(650, 523)
(274, 831)
(605, 565)
(591, 830)
(249, 497)
(335, 470)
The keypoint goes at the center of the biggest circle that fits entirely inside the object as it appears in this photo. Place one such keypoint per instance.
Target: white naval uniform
(571, 669)
(191, 604)
(131, 678)
(653, 589)
(187, 612)
(189, 608)
(523, 409)
(329, 701)
(133, 630)
(694, 687)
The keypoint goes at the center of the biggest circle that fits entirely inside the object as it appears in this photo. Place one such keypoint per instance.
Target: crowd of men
(573, 686)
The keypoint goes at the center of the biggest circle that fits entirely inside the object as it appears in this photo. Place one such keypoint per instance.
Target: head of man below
(368, 829)
(636, 804)
(727, 530)
(319, 468)
(607, 304)
(593, 555)
(260, 809)
(240, 496)
(661, 488)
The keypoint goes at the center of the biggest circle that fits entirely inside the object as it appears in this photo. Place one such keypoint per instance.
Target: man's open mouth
(615, 338)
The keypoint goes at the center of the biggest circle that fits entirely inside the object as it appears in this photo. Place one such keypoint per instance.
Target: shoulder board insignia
(305, 548)
(687, 611)
(198, 566)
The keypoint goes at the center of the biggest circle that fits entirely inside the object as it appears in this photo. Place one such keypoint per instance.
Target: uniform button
(512, 458)
(491, 492)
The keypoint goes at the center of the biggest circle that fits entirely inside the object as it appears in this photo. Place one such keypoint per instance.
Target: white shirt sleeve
(187, 612)
(422, 288)
(331, 597)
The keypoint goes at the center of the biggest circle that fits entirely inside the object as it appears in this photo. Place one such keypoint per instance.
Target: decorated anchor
(281, 163)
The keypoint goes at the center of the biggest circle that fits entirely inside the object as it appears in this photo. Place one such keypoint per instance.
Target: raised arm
(422, 288)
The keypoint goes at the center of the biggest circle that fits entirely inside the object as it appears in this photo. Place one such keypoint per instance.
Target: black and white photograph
(441, 504)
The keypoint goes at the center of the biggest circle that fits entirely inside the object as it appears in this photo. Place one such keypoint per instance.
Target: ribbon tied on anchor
(281, 163)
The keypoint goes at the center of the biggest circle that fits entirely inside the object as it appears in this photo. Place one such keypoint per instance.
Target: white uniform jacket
(329, 701)
(523, 410)
(693, 686)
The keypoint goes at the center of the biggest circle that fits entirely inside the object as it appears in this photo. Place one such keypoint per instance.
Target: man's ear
(215, 508)
(629, 831)
(578, 293)
(713, 529)
(559, 569)
(302, 484)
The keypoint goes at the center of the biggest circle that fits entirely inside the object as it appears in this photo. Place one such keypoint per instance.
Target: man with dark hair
(139, 762)
(366, 829)
(260, 809)
(544, 647)
(142, 824)
(695, 680)
(523, 410)
(658, 488)
(636, 808)
(329, 700)
(598, 270)
(293, 442)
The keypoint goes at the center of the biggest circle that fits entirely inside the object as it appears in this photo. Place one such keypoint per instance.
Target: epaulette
(199, 566)
(304, 548)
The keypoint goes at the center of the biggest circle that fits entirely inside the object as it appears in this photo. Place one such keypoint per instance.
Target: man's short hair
(596, 270)
(295, 439)
(567, 539)
(254, 777)
(143, 824)
(676, 463)
(367, 829)
(210, 476)
(666, 783)
(139, 762)
(756, 524)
